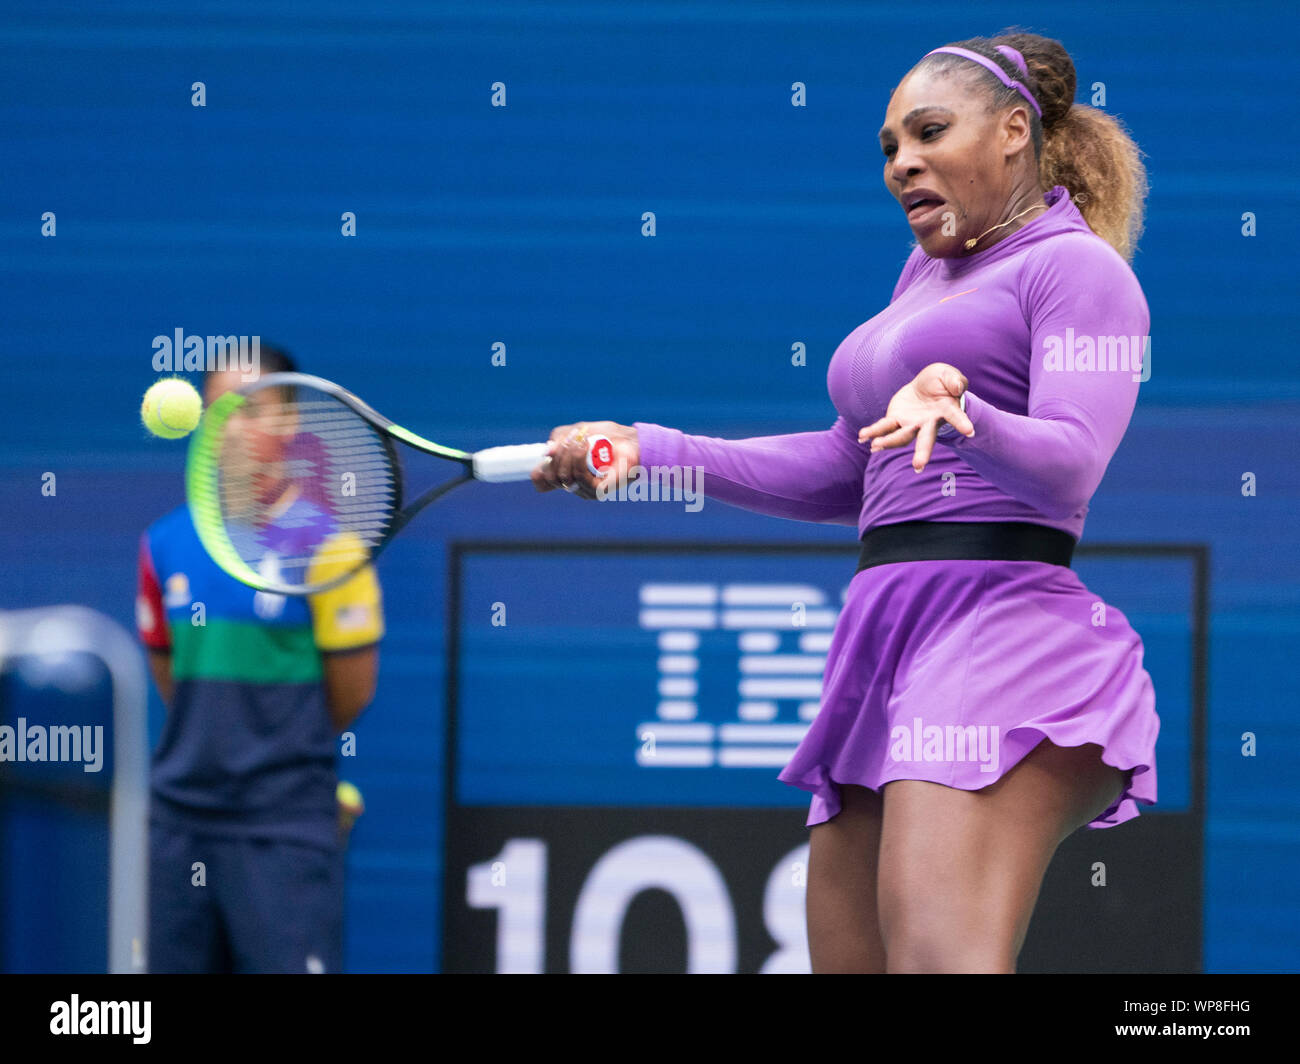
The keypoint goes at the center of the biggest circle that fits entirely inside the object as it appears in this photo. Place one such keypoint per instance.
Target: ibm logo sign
(782, 633)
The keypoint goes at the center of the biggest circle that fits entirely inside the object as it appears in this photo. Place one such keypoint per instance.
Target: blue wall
(522, 225)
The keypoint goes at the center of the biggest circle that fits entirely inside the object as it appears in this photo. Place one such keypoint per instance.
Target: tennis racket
(294, 483)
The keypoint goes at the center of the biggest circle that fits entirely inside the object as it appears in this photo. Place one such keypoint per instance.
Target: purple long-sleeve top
(1049, 326)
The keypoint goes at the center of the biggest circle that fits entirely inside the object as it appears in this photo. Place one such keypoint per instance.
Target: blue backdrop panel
(688, 677)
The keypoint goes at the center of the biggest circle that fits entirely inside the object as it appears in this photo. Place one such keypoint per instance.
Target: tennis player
(977, 415)
(246, 835)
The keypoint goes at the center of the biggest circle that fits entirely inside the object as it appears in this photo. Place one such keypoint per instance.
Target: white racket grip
(500, 464)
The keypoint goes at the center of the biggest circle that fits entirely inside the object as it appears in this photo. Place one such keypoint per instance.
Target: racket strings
(308, 487)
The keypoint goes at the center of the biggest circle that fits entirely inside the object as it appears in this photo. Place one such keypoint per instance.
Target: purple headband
(988, 64)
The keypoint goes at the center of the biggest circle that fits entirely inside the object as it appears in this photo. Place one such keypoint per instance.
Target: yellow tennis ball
(349, 797)
(171, 408)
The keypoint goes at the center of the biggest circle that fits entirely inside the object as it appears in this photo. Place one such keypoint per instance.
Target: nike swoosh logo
(956, 294)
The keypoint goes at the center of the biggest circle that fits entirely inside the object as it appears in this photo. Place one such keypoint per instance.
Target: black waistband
(1006, 541)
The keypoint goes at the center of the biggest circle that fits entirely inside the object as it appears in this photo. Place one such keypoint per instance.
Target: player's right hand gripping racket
(294, 484)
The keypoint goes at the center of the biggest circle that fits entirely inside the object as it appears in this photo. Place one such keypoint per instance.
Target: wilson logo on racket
(600, 454)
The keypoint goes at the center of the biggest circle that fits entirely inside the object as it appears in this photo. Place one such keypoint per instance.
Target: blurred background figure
(246, 828)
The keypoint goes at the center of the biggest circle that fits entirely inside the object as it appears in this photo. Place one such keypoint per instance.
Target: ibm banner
(618, 715)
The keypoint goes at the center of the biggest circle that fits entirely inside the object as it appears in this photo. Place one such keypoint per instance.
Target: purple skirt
(953, 671)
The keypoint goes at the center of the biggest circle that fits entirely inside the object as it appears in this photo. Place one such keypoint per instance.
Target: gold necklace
(971, 243)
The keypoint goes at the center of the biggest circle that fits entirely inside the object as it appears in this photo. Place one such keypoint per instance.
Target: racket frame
(202, 477)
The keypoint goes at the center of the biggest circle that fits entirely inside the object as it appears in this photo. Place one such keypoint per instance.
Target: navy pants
(266, 905)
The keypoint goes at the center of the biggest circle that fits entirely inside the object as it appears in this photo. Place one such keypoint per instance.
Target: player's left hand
(917, 410)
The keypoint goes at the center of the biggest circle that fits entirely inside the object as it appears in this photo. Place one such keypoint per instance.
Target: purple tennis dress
(953, 671)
